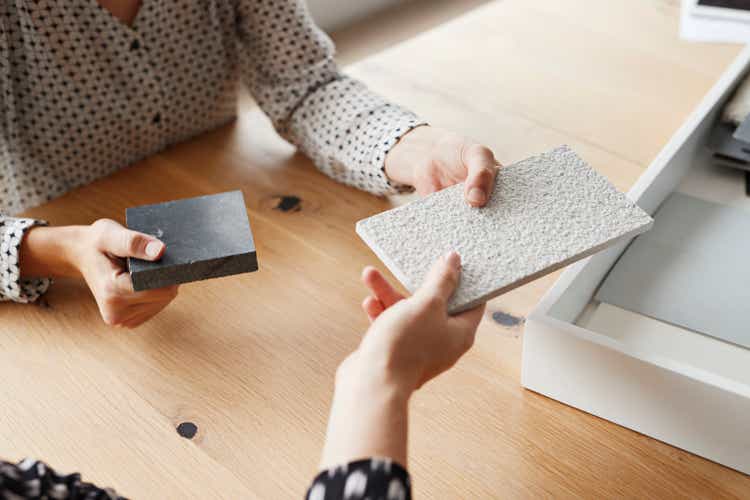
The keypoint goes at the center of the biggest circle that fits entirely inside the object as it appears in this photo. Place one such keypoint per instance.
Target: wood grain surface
(250, 359)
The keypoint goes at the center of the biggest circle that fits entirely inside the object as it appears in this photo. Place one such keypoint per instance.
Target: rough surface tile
(545, 213)
(692, 270)
(206, 237)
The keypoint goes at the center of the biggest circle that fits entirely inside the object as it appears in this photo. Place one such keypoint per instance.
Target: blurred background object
(722, 21)
(332, 14)
(366, 27)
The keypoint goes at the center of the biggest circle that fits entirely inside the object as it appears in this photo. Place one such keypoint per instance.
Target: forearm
(369, 417)
(365, 127)
(48, 251)
(346, 129)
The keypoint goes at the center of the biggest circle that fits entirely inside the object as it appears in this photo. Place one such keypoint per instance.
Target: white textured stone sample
(545, 212)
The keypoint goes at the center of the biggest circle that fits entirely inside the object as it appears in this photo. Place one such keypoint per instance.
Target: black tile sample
(206, 237)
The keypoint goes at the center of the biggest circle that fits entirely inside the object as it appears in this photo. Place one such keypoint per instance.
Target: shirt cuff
(402, 125)
(33, 479)
(347, 131)
(369, 478)
(12, 287)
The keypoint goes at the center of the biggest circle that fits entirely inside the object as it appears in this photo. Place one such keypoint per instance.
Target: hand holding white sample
(410, 341)
(431, 159)
(415, 338)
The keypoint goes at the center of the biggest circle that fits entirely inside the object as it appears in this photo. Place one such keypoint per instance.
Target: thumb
(442, 279)
(123, 242)
(481, 167)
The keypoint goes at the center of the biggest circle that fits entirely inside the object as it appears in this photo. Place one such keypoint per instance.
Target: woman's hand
(410, 341)
(97, 253)
(100, 258)
(431, 159)
(414, 339)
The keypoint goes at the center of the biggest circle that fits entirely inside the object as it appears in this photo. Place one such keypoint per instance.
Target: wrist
(401, 159)
(369, 416)
(51, 251)
(362, 374)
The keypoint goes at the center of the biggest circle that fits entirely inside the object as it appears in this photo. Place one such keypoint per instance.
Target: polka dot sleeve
(12, 287)
(364, 479)
(34, 479)
(344, 127)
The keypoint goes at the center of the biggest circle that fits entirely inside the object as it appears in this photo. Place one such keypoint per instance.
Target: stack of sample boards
(729, 142)
(730, 146)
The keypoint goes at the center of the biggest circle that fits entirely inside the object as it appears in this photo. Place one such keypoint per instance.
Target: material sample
(545, 212)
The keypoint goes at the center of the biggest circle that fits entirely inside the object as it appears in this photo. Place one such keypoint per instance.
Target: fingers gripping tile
(545, 212)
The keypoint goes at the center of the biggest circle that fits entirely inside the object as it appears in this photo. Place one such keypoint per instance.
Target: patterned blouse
(83, 94)
(372, 479)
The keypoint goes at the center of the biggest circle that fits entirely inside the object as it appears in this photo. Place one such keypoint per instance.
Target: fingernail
(453, 259)
(153, 249)
(477, 196)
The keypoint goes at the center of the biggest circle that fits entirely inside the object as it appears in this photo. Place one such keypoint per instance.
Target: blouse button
(135, 45)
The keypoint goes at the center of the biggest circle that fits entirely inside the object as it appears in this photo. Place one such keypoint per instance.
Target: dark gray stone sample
(206, 237)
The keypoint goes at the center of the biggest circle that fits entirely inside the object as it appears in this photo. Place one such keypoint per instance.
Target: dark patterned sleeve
(12, 287)
(374, 478)
(347, 130)
(30, 479)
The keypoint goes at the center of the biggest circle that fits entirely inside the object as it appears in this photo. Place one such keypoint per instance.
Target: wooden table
(250, 359)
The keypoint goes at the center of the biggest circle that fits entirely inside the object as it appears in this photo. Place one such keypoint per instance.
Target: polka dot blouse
(371, 479)
(83, 94)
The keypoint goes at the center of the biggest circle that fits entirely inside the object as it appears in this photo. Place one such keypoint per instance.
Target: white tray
(692, 392)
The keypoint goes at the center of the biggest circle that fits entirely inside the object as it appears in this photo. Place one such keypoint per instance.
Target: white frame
(652, 394)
